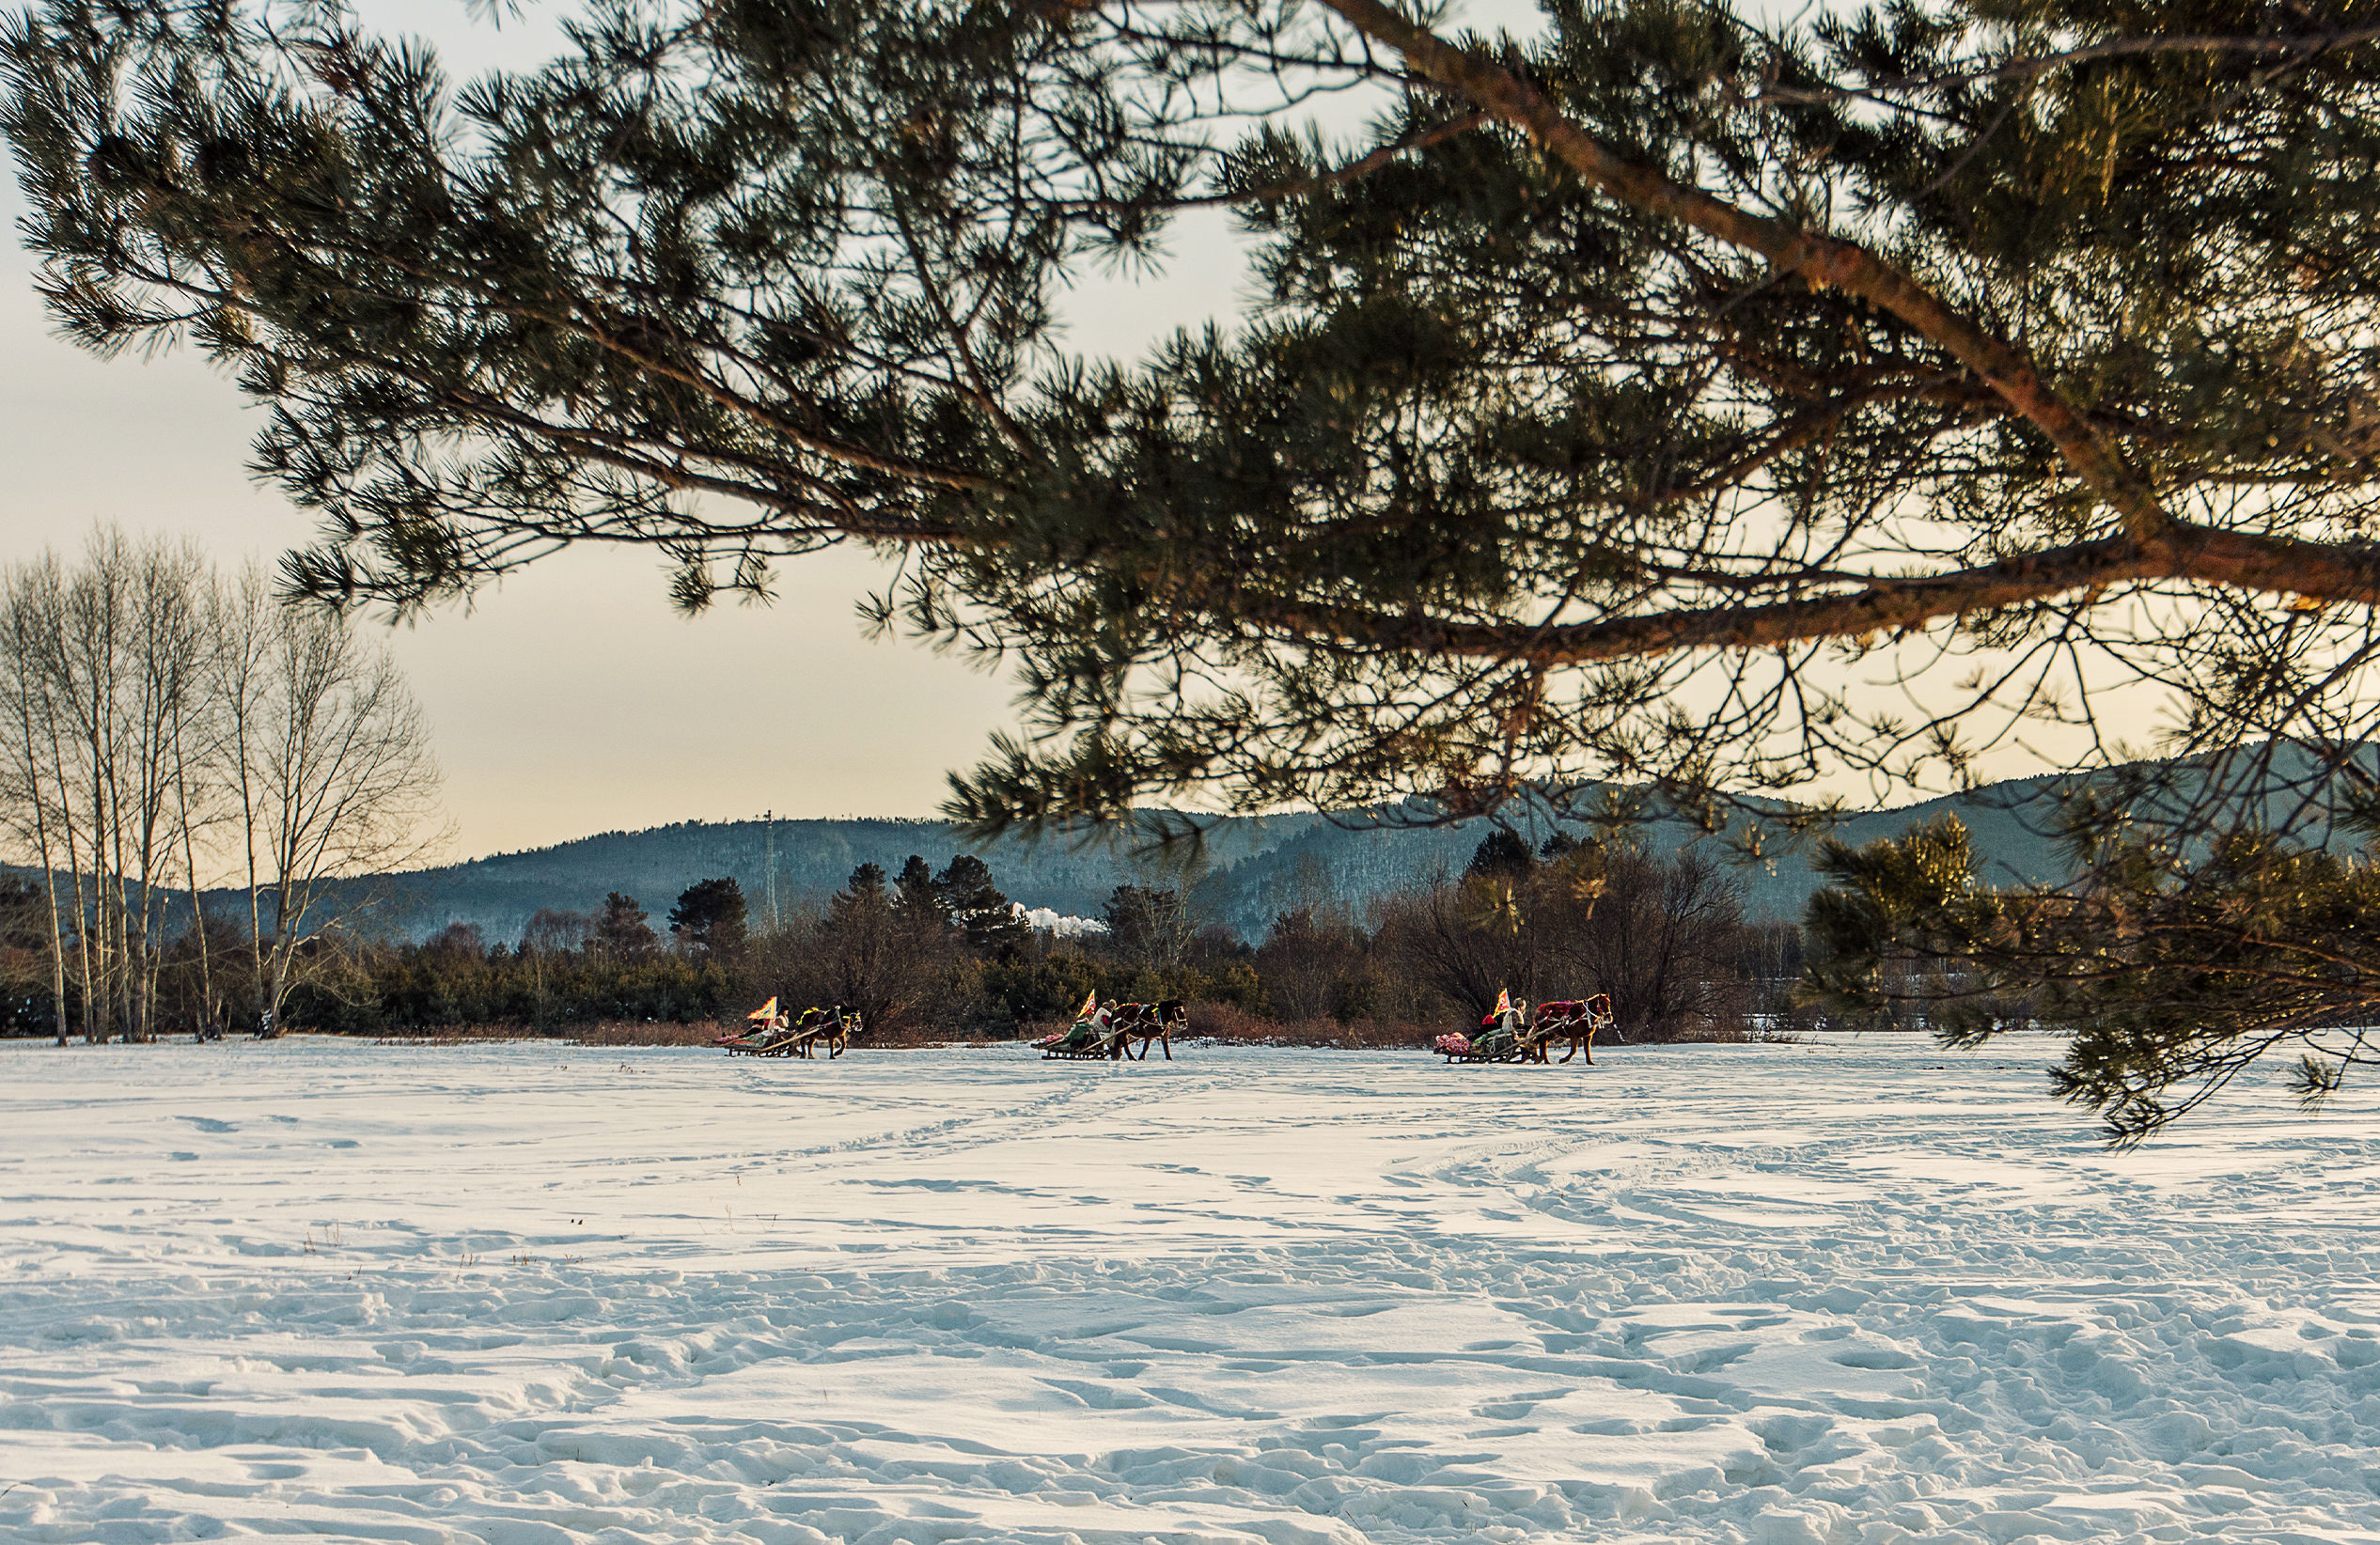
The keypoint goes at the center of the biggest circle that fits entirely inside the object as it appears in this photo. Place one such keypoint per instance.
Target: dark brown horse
(835, 1033)
(1145, 1023)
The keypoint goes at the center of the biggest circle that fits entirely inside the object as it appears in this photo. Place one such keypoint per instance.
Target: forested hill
(1256, 866)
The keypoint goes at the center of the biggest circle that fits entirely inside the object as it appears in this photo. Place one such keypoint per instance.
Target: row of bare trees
(166, 732)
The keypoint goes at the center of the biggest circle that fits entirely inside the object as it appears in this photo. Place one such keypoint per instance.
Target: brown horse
(835, 1033)
(1572, 1020)
(1145, 1023)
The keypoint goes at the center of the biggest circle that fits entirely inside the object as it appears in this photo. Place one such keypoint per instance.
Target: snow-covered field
(528, 1294)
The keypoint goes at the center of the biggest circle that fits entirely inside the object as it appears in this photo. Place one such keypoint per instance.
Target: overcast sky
(572, 699)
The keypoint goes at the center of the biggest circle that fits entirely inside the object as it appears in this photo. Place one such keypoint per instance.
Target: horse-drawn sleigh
(1108, 1034)
(771, 1034)
(1513, 1034)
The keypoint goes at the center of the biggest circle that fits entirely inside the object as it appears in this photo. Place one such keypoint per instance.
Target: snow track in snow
(531, 1295)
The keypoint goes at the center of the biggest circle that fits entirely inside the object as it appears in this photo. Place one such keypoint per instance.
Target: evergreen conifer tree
(620, 930)
(866, 967)
(2169, 976)
(916, 895)
(919, 912)
(983, 912)
(707, 922)
(1503, 855)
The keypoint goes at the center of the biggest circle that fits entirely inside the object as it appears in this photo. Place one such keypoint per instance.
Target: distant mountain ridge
(1256, 865)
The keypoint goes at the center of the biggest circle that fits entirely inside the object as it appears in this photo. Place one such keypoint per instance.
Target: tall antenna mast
(768, 866)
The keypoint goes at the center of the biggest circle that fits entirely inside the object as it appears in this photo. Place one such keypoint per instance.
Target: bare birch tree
(161, 651)
(327, 764)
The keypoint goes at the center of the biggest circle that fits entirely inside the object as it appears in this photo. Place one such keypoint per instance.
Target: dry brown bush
(1233, 1027)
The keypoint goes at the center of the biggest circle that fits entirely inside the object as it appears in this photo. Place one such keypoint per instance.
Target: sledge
(1509, 1036)
(762, 1026)
(1493, 1044)
(776, 1037)
(1086, 1041)
(1107, 1035)
(1501, 1036)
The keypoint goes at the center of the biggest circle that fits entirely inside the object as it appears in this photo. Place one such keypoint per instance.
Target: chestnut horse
(1571, 1021)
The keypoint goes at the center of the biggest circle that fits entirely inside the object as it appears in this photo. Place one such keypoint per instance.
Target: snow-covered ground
(530, 1294)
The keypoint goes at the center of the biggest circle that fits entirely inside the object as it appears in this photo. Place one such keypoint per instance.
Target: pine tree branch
(1821, 260)
(2235, 559)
